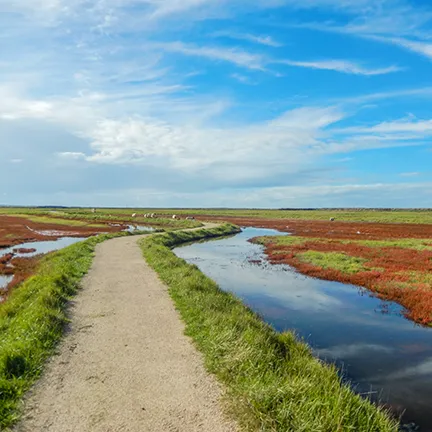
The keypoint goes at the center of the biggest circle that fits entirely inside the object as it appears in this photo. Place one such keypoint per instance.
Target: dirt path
(125, 365)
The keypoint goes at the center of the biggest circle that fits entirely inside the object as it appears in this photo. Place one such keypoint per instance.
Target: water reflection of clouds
(244, 278)
(422, 369)
(4, 280)
(353, 350)
(328, 301)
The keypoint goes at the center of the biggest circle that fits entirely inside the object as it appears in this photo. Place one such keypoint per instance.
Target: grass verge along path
(33, 318)
(273, 381)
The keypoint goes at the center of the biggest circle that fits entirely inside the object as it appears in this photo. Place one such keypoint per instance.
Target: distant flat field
(361, 215)
(395, 216)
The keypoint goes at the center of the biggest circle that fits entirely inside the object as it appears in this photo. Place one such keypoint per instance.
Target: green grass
(32, 321)
(333, 260)
(58, 221)
(273, 381)
(417, 244)
(84, 217)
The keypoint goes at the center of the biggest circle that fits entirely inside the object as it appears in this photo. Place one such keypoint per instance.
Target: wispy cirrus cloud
(250, 60)
(258, 39)
(343, 66)
(423, 48)
(232, 55)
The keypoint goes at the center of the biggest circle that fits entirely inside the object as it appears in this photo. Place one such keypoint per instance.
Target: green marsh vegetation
(85, 217)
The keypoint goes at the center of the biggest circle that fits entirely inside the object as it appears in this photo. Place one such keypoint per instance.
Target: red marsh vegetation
(394, 261)
(400, 274)
(17, 230)
(336, 229)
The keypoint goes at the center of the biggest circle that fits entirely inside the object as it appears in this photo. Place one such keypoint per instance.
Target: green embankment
(273, 382)
(33, 318)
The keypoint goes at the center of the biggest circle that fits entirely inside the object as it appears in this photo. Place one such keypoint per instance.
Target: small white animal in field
(152, 215)
(133, 214)
(174, 217)
(358, 232)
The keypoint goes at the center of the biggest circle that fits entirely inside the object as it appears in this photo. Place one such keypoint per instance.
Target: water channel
(383, 354)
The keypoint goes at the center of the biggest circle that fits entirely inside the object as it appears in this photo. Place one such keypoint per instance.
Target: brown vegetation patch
(21, 268)
(24, 250)
(17, 230)
(335, 229)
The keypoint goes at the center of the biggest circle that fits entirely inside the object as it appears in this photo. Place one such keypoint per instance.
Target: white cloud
(396, 128)
(256, 151)
(262, 40)
(249, 60)
(72, 155)
(409, 174)
(423, 48)
(327, 195)
(232, 55)
(242, 78)
(343, 66)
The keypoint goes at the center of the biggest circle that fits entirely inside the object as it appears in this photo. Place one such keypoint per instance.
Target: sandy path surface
(126, 364)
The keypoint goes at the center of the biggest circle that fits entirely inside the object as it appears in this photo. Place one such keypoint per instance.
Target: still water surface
(42, 247)
(380, 351)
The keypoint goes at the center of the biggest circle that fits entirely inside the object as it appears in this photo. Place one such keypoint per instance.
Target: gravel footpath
(125, 365)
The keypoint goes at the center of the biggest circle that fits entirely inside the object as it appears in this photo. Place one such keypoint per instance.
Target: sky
(216, 103)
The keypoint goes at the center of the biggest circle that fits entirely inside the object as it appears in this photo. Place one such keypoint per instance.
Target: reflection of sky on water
(133, 228)
(4, 280)
(42, 247)
(377, 348)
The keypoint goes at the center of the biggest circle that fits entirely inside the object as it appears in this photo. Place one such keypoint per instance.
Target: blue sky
(279, 103)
